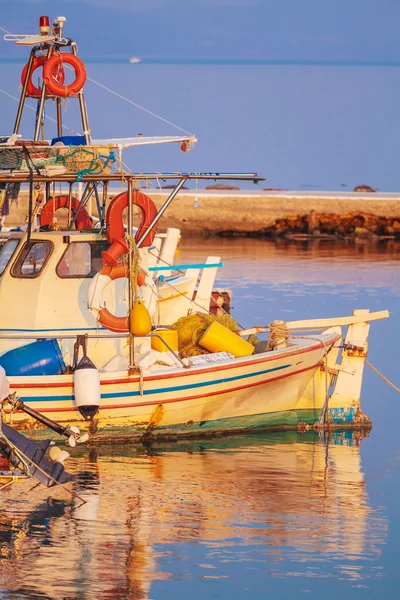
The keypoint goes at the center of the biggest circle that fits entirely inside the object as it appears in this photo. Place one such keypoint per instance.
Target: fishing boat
(91, 332)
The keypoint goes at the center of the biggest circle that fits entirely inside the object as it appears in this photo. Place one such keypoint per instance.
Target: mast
(46, 45)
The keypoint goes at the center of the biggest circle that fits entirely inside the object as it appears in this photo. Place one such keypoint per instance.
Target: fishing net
(81, 160)
(192, 327)
(86, 161)
(10, 159)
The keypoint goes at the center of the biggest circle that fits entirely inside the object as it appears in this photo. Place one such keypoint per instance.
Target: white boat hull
(264, 390)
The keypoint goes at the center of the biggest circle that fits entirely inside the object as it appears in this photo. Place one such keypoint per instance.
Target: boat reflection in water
(288, 504)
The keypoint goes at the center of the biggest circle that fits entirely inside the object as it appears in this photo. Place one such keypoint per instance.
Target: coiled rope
(135, 263)
(278, 334)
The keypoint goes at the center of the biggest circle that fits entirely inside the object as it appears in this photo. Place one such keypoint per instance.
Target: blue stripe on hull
(177, 388)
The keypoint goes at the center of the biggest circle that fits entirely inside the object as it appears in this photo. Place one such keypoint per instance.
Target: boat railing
(70, 336)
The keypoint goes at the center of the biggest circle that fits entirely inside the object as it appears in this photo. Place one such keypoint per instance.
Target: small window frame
(92, 273)
(12, 254)
(23, 255)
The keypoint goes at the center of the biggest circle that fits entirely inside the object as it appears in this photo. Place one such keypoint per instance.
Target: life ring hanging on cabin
(115, 225)
(102, 279)
(112, 270)
(57, 75)
(82, 221)
(54, 62)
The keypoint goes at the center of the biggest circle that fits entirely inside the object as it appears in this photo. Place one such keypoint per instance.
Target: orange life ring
(95, 295)
(115, 226)
(56, 75)
(59, 89)
(82, 221)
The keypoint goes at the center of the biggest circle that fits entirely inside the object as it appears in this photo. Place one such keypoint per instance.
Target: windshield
(32, 259)
(6, 253)
(82, 259)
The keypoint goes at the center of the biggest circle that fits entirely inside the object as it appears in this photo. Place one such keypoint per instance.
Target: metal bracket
(356, 349)
(336, 369)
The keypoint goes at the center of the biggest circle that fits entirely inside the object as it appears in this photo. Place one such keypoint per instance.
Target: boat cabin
(45, 289)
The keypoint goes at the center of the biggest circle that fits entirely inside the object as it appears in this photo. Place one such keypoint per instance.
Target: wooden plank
(322, 323)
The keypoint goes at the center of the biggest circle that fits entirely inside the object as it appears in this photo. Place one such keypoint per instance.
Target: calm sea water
(263, 516)
(325, 126)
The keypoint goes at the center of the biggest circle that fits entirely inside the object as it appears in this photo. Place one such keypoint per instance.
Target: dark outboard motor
(50, 472)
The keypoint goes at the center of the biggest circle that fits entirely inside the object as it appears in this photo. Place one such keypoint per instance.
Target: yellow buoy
(140, 320)
(169, 335)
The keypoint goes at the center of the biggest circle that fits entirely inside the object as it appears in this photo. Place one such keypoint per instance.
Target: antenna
(58, 26)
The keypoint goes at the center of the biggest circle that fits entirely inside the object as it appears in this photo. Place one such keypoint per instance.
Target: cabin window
(81, 259)
(32, 259)
(6, 254)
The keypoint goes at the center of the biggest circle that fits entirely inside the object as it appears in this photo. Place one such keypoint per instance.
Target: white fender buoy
(87, 388)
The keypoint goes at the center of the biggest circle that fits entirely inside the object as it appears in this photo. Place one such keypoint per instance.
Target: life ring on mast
(82, 221)
(115, 226)
(95, 295)
(57, 75)
(54, 62)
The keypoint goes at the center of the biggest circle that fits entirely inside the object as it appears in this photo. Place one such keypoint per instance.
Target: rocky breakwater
(267, 213)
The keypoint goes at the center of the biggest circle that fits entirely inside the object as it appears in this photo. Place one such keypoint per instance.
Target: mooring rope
(153, 114)
(383, 376)
(324, 410)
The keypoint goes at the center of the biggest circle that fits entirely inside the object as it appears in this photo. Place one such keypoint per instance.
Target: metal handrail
(35, 336)
(66, 177)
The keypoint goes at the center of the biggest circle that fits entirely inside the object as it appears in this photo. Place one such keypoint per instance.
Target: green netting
(80, 160)
(86, 161)
(10, 159)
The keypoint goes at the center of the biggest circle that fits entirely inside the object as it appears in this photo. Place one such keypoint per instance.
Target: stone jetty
(271, 213)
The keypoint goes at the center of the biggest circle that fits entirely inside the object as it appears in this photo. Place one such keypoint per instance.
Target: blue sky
(277, 29)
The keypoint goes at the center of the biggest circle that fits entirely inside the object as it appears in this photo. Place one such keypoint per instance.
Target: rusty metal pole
(59, 118)
(24, 88)
(162, 210)
(69, 202)
(82, 105)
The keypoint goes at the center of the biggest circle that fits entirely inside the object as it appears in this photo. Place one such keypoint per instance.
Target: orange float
(82, 221)
(115, 225)
(57, 75)
(112, 269)
(56, 61)
(121, 270)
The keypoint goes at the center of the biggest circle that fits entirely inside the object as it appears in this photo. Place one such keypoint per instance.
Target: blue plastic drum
(39, 358)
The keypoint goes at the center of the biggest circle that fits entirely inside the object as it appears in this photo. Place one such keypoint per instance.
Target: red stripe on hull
(184, 373)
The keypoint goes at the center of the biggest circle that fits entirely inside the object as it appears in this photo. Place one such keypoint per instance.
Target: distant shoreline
(222, 62)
